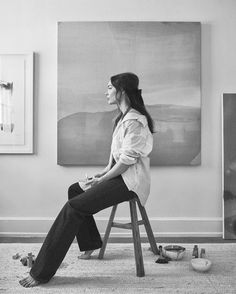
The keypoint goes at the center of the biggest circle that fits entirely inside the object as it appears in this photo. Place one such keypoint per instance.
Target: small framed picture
(16, 103)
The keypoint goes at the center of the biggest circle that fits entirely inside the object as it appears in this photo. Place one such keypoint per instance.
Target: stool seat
(134, 226)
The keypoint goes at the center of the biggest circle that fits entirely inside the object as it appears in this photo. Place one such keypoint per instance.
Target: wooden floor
(128, 240)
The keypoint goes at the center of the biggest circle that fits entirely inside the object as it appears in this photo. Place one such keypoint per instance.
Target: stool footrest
(126, 226)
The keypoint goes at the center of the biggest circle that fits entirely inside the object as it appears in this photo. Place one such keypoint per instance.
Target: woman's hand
(94, 181)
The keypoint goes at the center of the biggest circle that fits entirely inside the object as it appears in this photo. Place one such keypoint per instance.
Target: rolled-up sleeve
(133, 144)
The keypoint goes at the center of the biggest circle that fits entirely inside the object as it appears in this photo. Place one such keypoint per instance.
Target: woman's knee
(74, 190)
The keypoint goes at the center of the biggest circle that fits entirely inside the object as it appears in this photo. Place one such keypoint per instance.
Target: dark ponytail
(129, 82)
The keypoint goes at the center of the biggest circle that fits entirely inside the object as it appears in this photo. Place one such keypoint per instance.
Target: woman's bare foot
(29, 282)
(86, 255)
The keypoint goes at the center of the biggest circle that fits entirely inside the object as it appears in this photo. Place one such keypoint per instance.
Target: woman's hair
(129, 82)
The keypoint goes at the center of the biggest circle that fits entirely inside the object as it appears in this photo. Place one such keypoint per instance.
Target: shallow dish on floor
(201, 264)
(174, 252)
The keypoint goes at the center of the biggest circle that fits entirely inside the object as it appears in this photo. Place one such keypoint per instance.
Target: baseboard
(161, 226)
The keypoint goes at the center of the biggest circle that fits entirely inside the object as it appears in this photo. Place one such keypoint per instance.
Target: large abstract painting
(165, 56)
(229, 164)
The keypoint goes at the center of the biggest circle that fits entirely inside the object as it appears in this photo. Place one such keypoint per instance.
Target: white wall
(183, 200)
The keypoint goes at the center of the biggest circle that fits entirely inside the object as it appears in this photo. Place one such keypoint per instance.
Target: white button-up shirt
(132, 142)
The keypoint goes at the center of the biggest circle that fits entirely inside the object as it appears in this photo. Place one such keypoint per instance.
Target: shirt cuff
(128, 160)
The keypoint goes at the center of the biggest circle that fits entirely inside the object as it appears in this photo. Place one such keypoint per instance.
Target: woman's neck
(123, 106)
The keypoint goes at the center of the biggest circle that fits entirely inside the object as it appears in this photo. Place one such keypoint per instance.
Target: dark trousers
(76, 220)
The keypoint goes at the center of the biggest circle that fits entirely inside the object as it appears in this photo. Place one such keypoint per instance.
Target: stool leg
(136, 238)
(148, 228)
(107, 233)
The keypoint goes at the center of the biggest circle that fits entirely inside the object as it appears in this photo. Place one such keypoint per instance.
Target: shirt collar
(134, 114)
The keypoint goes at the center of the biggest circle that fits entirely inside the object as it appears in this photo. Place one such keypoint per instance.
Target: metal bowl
(174, 252)
(201, 264)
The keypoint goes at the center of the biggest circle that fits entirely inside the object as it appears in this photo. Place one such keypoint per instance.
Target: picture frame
(16, 102)
(229, 165)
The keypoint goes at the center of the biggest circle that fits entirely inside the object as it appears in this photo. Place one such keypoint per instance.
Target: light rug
(116, 273)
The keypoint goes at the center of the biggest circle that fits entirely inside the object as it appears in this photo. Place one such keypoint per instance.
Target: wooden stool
(134, 226)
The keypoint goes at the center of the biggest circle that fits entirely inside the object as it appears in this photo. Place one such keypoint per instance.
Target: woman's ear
(118, 95)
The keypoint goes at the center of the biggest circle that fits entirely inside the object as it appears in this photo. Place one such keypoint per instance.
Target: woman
(126, 176)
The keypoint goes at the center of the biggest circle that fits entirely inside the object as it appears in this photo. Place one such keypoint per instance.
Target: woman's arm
(132, 148)
(106, 169)
(101, 173)
(118, 169)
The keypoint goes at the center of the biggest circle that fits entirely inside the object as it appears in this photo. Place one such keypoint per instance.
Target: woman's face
(111, 94)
